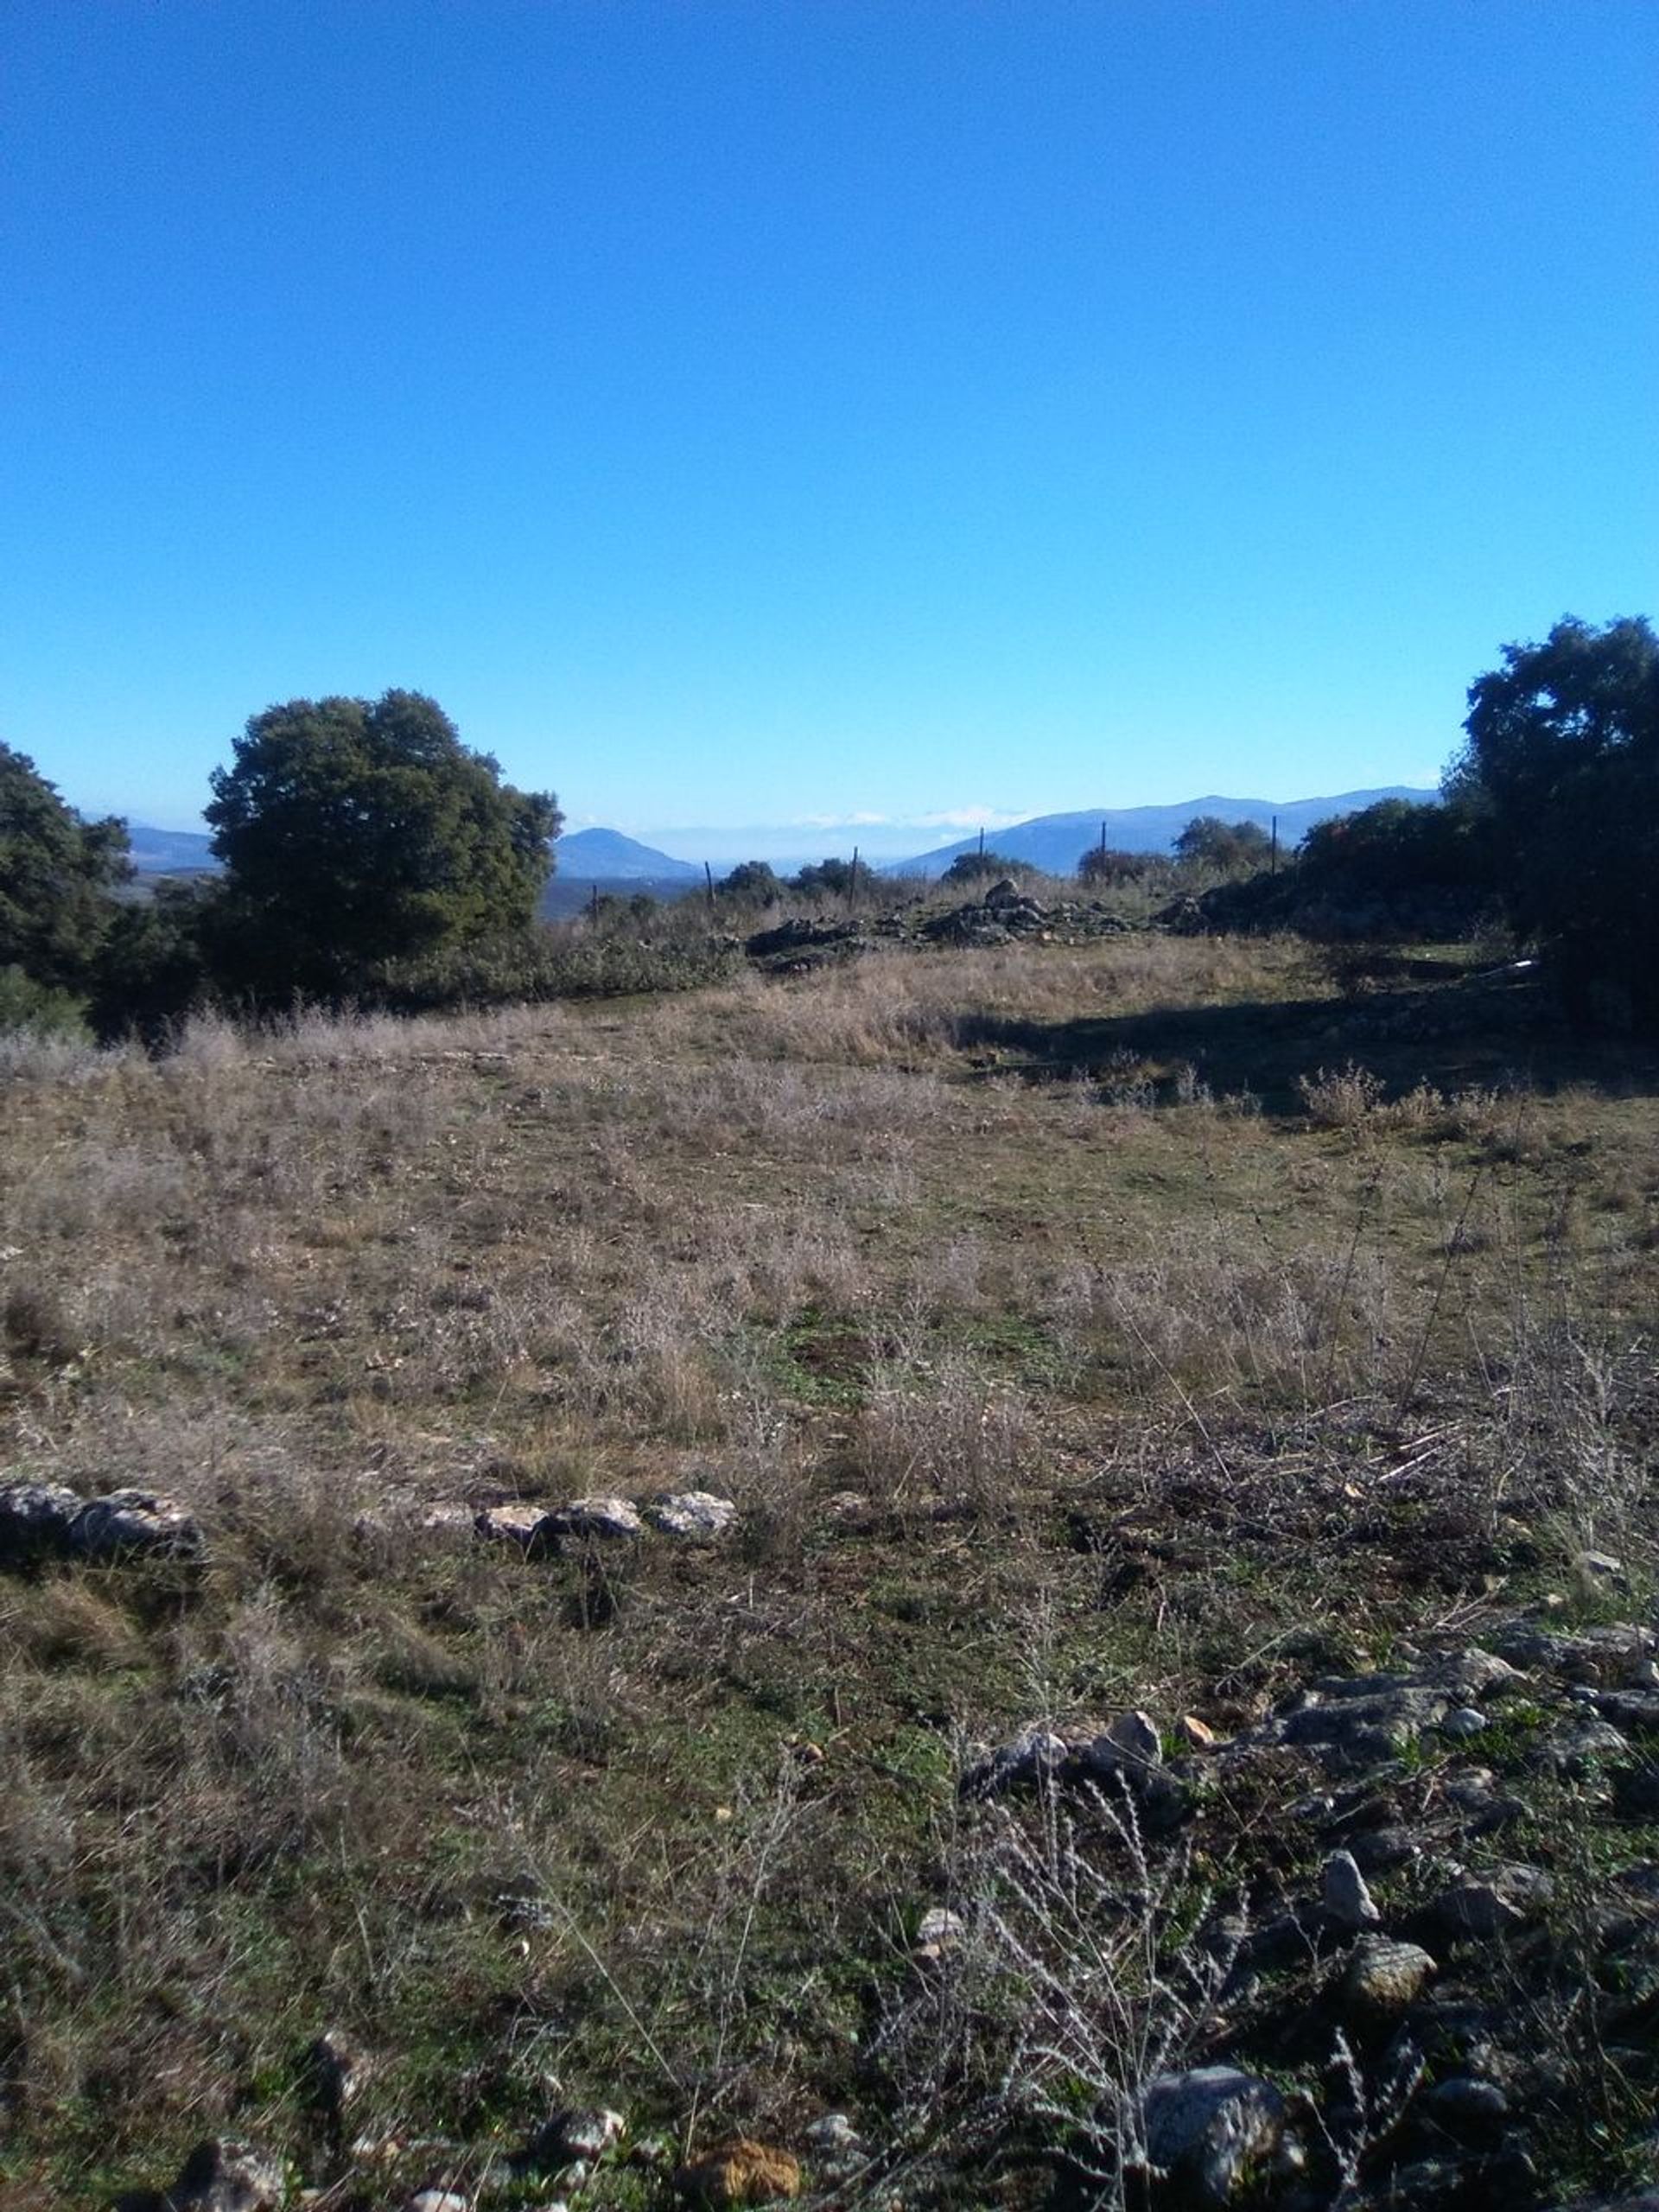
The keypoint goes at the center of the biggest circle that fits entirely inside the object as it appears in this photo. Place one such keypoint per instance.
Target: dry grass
(988, 1238)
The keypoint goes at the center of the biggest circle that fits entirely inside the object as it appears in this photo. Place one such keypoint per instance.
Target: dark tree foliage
(1105, 865)
(1397, 846)
(56, 874)
(1563, 759)
(755, 883)
(1233, 848)
(153, 969)
(356, 833)
(982, 867)
(837, 879)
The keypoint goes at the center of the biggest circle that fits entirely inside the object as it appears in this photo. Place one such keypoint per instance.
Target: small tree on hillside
(56, 874)
(985, 867)
(1230, 848)
(356, 832)
(1104, 867)
(754, 883)
(836, 879)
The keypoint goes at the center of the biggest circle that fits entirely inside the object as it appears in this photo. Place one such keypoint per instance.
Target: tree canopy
(834, 878)
(757, 883)
(979, 867)
(1234, 847)
(354, 833)
(1105, 865)
(56, 874)
(1563, 761)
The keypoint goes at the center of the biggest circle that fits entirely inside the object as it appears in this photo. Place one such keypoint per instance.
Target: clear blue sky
(745, 411)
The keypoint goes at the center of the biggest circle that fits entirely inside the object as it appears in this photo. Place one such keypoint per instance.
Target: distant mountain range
(607, 856)
(169, 852)
(1055, 843)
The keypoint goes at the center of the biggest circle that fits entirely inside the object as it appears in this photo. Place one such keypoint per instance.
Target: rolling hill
(1054, 843)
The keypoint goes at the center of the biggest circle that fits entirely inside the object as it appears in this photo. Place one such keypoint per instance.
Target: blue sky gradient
(750, 411)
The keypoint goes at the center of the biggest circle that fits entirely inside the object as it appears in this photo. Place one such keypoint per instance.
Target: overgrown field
(1142, 1325)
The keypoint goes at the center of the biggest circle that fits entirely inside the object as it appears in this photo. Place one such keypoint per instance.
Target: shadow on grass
(1477, 1031)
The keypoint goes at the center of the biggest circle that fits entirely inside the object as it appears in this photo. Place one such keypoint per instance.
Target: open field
(1141, 1324)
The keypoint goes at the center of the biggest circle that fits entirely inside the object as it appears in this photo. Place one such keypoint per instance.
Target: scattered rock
(739, 2171)
(130, 1524)
(580, 2132)
(1344, 1894)
(513, 1522)
(1513, 1896)
(332, 2071)
(1198, 1735)
(217, 2177)
(596, 1519)
(938, 1931)
(1465, 1721)
(437, 2200)
(1596, 1655)
(1468, 2106)
(1021, 1764)
(1375, 1850)
(1132, 1741)
(36, 1521)
(697, 1515)
(1580, 1745)
(1599, 1572)
(1383, 1979)
(1211, 2129)
(833, 2141)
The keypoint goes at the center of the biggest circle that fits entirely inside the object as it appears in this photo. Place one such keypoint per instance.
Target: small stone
(437, 2200)
(1467, 2106)
(1383, 1978)
(739, 2171)
(695, 1516)
(332, 2071)
(1197, 1734)
(1465, 1721)
(1375, 1850)
(833, 2140)
(1597, 1571)
(1021, 1764)
(1344, 1894)
(580, 2132)
(129, 1523)
(938, 1931)
(1211, 2129)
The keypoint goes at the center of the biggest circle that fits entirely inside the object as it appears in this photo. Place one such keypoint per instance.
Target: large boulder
(136, 1523)
(1210, 2131)
(695, 1516)
(594, 1520)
